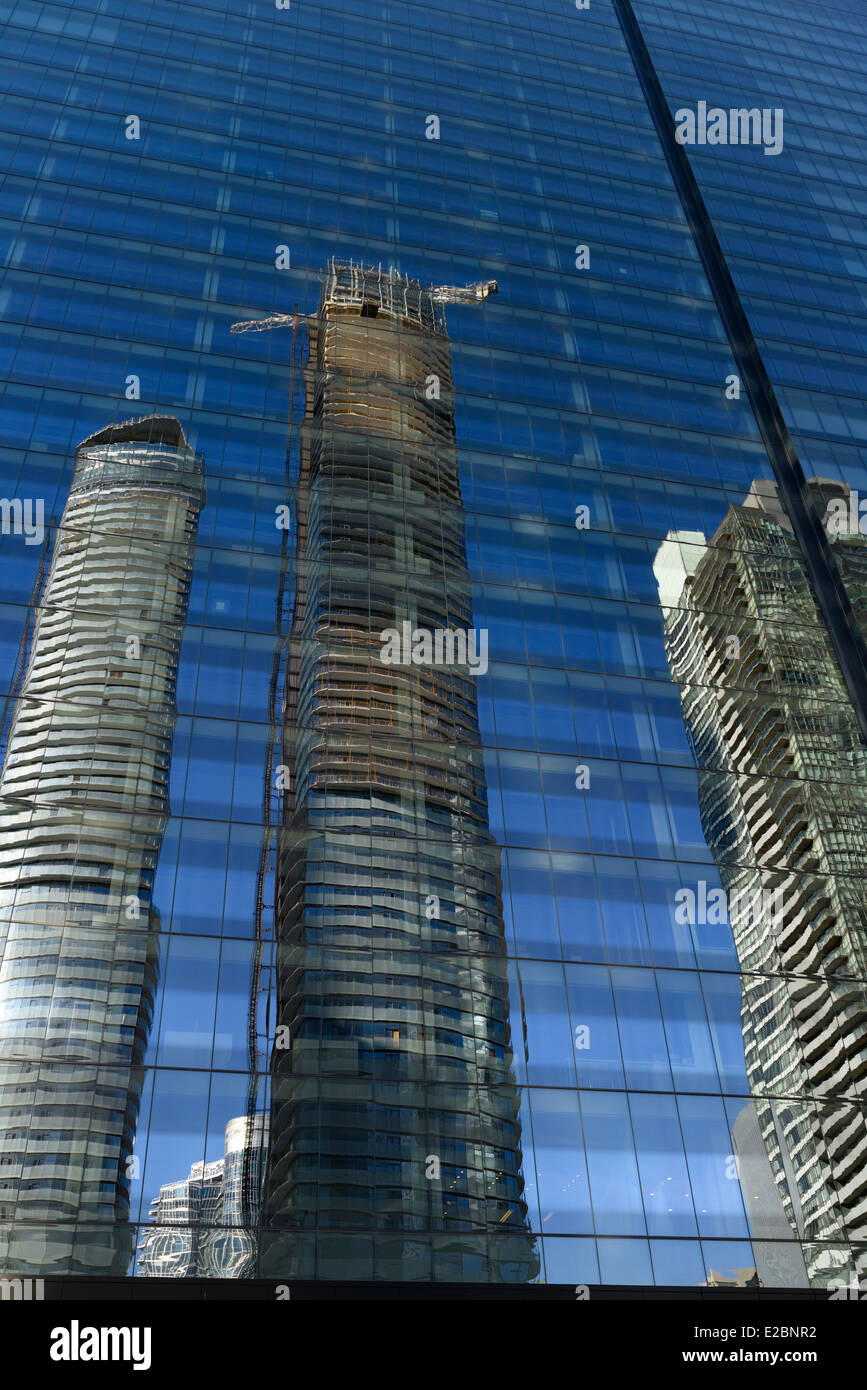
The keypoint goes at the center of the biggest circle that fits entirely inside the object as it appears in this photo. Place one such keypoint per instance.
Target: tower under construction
(395, 1141)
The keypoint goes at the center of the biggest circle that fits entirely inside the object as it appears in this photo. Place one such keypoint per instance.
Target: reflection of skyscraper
(779, 1260)
(204, 1224)
(783, 798)
(394, 1111)
(84, 792)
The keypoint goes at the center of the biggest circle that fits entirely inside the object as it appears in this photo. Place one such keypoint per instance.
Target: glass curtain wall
(542, 962)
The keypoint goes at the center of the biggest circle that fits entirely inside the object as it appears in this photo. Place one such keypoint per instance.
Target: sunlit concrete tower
(395, 1140)
(83, 807)
(783, 800)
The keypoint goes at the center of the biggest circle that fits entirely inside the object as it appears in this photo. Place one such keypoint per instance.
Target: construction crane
(439, 294)
(462, 294)
(259, 325)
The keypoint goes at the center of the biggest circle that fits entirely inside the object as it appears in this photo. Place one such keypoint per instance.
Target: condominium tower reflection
(395, 1141)
(83, 808)
(205, 1224)
(783, 800)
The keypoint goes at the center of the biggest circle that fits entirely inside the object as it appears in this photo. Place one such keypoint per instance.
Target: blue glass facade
(550, 970)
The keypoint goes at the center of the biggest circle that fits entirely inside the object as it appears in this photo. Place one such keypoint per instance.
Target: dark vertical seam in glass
(833, 600)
